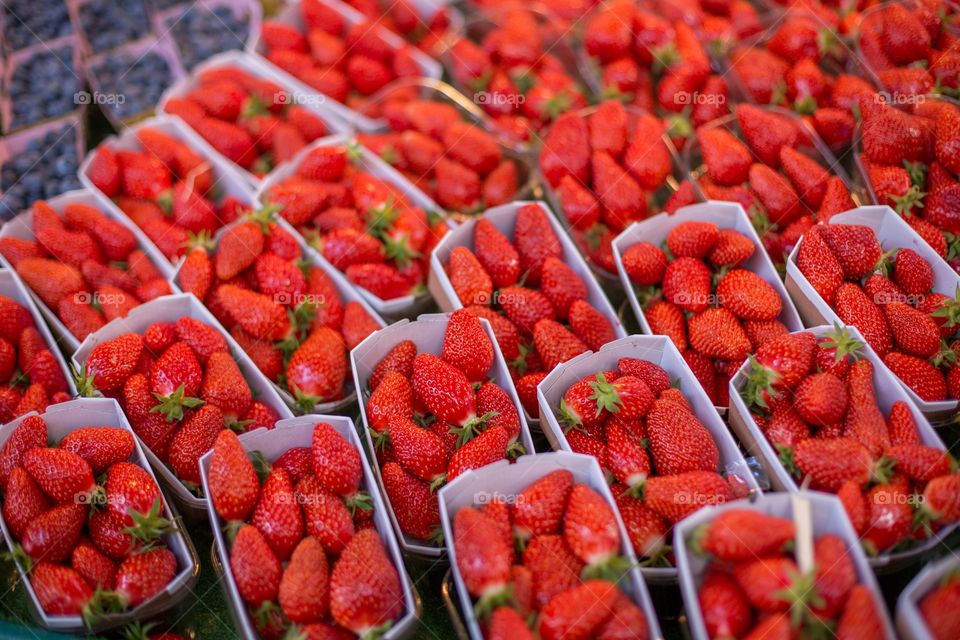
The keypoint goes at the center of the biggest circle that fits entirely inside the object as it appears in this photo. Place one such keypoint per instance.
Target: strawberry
(914, 332)
(486, 448)
(233, 482)
(303, 588)
(686, 283)
(414, 505)
(203, 339)
(535, 241)
(197, 436)
(60, 590)
(940, 502)
(692, 239)
(24, 502)
(444, 389)
(644, 263)
(577, 612)
(141, 576)
(225, 386)
(31, 433)
(738, 535)
(860, 617)
(365, 590)
(466, 345)
(483, 558)
(110, 363)
(62, 474)
(678, 441)
(418, 450)
(555, 344)
(748, 296)
(920, 375)
(829, 463)
(539, 508)
(566, 150)
(399, 359)
(256, 570)
(97, 569)
(590, 530)
(468, 277)
(901, 425)
(676, 496)
(820, 266)
(259, 315)
(52, 535)
(726, 612)
(666, 318)
(335, 461)
(780, 200)
(727, 159)
(561, 285)
(619, 194)
(854, 307)
(767, 582)
(326, 517)
(580, 206)
(50, 279)
(276, 515)
(507, 624)
(717, 333)
(590, 325)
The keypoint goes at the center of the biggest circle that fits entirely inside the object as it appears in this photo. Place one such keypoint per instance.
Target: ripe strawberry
(780, 200)
(483, 558)
(901, 425)
(143, 575)
(233, 482)
(507, 624)
(62, 474)
(716, 333)
(365, 590)
(24, 502)
(466, 345)
(535, 241)
(920, 375)
(326, 517)
(737, 535)
(621, 197)
(97, 569)
(418, 450)
(555, 344)
(820, 266)
(590, 530)
(726, 612)
(52, 535)
(491, 399)
(860, 617)
(445, 390)
(566, 150)
(829, 463)
(203, 339)
(487, 448)
(192, 440)
(914, 332)
(748, 296)
(577, 612)
(256, 570)
(303, 588)
(31, 433)
(590, 325)
(940, 503)
(50, 279)
(692, 239)
(101, 447)
(676, 496)
(644, 263)
(277, 515)
(678, 441)
(539, 508)
(767, 582)
(686, 283)
(399, 358)
(468, 278)
(854, 307)
(60, 590)
(666, 318)
(414, 505)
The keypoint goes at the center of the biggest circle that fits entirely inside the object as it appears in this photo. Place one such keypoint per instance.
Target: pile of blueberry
(44, 85)
(160, 5)
(201, 32)
(30, 22)
(45, 168)
(108, 24)
(130, 83)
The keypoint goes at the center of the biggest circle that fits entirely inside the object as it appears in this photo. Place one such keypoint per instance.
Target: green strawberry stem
(493, 597)
(660, 558)
(377, 632)
(612, 569)
(102, 604)
(844, 344)
(84, 382)
(148, 527)
(472, 427)
(172, 406)
(515, 450)
(360, 500)
(760, 384)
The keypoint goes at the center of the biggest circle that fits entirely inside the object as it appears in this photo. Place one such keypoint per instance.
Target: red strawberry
(578, 612)
(256, 570)
(468, 278)
(60, 590)
(860, 618)
(97, 569)
(535, 241)
(233, 482)
(365, 588)
(920, 375)
(29, 434)
(726, 612)
(727, 159)
(737, 535)
(829, 463)
(444, 389)
(555, 344)
(303, 588)
(414, 505)
(192, 440)
(820, 266)
(486, 448)
(466, 345)
(24, 502)
(644, 263)
(277, 515)
(539, 508)
(483, 558)
(676, 496)
(52, 535)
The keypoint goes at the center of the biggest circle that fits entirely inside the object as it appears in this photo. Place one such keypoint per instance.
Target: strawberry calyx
(949, 309)
(945, 356)
(148, 527)
(172, 406)
(664, 57)
(495, 595)
(399, 249)
(605, 395)
(19, 556)
(438, 481)
(253, 106)
(84, 382)
(231, 529)
(374, 633)
(761, 384)
(659, 558)
(611, 568)
(381, 439)
(905, 203)
(472, 427)
(306, 402)
(102, 604)
(805, 106)
(568, 418)
(679, 126)
(360, 500)
(801, 596)
(263, 216)
(202, 240)
(164, 200)
(138, 631)
(842, 343)
(515, 450)
(262, 165)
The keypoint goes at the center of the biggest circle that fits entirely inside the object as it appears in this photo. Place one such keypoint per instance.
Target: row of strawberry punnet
(336, 51)
(869, 270)
(822, 411)
(780, 567)
(515, 268)
(701, 277)
(606, 167)
(82, 261)
(926, 608)
(436, 400)
(362, 217)
(908, 162)
(253, 120)
(34, 373)
(309, 551)
(181, 380)
(87, 522)
(776, 167)
(517, 65)
(539, 544)
(636, 406)
(443, 147)
(292, 314)
(175, 191)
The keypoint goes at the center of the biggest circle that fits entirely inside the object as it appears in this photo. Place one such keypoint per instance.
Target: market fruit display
(815, 401)
(887, 293)
(363, 224)
(653, 447)
(251, 120)
(284, 310)
(515, 65)
(566, 575)
(91, 547)
(30, 369)
(772, 164)
(179, 386)
(714, 310)
(84, 265)
(337, 56)
(303, 550)
(432, 417)
(754, 588)
(443, 152)
(608, 167)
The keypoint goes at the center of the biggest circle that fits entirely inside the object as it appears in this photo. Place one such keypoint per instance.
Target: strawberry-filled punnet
(925, 608)
(776, 167)
(604, 167)
(636, 406)
(361, 216)
(307, 542)
(172, 188)
(517, 65)
(701, 277)
(572, 566)
(744, 573)
(35, 372)
(446, 145)
(517, 260)
(248, 114)
(329, 48)
(94, 540)
(437, 399)
(869, 269)
(181, 380)
(83, 261)
(294, 314)
(819, 409)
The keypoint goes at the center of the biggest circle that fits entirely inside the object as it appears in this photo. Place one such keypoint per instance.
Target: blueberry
(108, 24)
(139, 80)
(43, 86)
(29, 22)
(201, 33)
